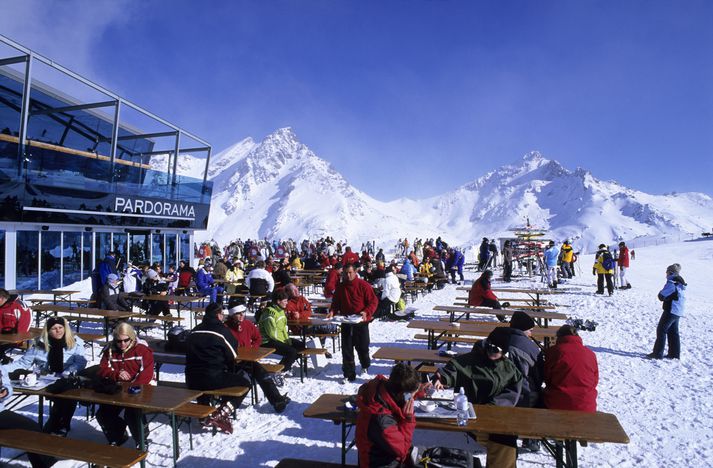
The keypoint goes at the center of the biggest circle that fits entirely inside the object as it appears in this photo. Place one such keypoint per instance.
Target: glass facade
(87, 254)
(27, 254)
(120, 240)
(140, 249)
(171, 251)
(2, 259)
(71, 258)
(102, 246)
(185, 240)
(51, 254)
(157, 251)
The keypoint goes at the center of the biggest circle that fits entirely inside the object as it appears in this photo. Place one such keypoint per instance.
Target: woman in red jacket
(481, 295)
(125, 360)
(571, 373)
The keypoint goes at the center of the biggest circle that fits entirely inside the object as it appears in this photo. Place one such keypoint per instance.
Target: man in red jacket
(623, 264)
(349, 257)
(354, 296)
(385, 422)
(330, 284)
(571, 373)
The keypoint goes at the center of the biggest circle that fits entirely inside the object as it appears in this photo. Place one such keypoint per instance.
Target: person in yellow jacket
(425, 269)
(566, 256)
(296, 262)
(604, 266)
(234, 276)
(274, 332)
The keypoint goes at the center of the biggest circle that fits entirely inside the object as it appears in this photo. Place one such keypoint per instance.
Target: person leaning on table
(56, 351)
(488, 378)
(124, 360)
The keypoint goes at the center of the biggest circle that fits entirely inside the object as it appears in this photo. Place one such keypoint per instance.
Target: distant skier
(623, 266)
(550, 257)
(604, 269)
(484, 254)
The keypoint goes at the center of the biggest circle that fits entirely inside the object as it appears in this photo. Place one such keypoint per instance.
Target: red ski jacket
(571, 376)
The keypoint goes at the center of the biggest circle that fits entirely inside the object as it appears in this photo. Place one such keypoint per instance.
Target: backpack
(607, 260)
(177, 340)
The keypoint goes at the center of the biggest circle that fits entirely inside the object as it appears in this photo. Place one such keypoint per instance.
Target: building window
(171, 251)
(120, 240)
(102, 246)
(71, 258)
(2, 259)
(185, 253)
(86, 255)
(157, 253)
(50, 261)
(27, 250)
(139, 249)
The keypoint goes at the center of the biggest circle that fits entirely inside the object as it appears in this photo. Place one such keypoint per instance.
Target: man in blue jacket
(550, 257)
(673, 296)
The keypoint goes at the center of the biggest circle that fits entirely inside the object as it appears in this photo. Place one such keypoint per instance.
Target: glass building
(76, 181)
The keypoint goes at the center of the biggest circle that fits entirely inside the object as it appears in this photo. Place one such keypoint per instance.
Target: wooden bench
(298, 463)
(70, 449)
(450, 339)
(303, 359)
(335, 336)
(189, 411)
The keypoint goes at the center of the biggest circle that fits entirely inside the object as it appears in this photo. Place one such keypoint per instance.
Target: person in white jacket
(390, 292)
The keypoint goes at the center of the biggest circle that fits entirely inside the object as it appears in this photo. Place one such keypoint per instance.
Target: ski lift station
(78, 179)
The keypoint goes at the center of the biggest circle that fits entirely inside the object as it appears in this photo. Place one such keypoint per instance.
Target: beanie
(522, 321)
(500, 337)
(673, 269)
(238, 309)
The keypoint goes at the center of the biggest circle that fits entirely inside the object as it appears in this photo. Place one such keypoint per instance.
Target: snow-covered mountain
(279, 188)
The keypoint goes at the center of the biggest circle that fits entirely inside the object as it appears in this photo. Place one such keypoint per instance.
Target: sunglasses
(492, 349)
(128, 340)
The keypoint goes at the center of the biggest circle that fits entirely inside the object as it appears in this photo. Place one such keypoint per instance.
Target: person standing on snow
(550, 257)
(673, 296)
(623, 266)
(604, 269)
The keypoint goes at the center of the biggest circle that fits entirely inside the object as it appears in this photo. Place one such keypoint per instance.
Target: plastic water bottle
(461, 403)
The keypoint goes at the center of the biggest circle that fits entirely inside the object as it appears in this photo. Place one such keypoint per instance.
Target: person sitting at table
(259, 281)
(571, 373)
(125, 359)
(390, 293)
(12, 420)
(488, 378)
(333, 277)
(528, 358)
(481, 294)
(205, 283)
(299, 308)
(248, 336)
(273, 328)
(385, 421)
(56, 351)
(153, 286)
(281, 275)
(111, 297)
(15, 317)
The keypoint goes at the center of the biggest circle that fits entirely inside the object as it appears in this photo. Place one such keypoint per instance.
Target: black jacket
(527, 357)
(212, 350)
(111, 299)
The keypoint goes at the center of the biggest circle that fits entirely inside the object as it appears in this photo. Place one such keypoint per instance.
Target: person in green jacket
(274, 332)
(488, 378)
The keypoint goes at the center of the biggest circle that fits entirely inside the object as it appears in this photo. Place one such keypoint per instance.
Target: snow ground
(664, 406)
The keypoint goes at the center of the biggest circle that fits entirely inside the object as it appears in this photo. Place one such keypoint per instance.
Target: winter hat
(152, 274)
(602, 246)
(673, 269)
(522, 321)
(238, 309)
(112, 278)
(500, 337)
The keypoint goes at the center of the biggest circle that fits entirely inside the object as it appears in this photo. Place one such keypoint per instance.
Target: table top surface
(489, 311)
(10, 338)
(541, 292)
(411, 354)
(151, 398)
(50, 292)
(167, 298)
(474, 328)
(524, 422)
(244, 353)
(111, 314)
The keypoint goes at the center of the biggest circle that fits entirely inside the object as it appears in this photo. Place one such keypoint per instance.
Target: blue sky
(412, 98)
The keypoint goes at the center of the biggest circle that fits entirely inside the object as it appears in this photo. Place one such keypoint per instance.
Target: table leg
(174, 429)
(142, 436)
(41, 411)
(344, 441)
(253, 384)
(559, 458)
(106, 328)
(571, 453)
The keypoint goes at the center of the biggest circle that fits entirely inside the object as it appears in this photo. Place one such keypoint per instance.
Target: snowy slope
(280, 189)
(664, 406)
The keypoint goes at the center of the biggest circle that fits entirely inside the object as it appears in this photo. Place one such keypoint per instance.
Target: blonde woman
(57, 351)
(125, 360)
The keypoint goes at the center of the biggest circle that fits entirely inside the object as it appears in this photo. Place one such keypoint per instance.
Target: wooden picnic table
(12, 338)
(534, 294)
(409, 355)
(107, 315)
(178, 300)
(541, 317)
(565, 428)
(547, 335)
(151, 399)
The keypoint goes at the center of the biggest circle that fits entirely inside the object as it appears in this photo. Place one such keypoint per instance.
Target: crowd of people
(507, 368)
